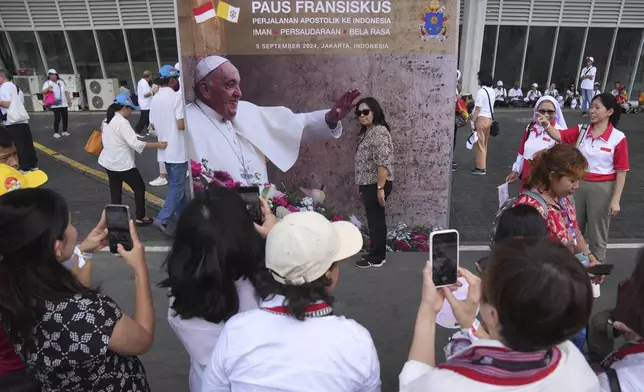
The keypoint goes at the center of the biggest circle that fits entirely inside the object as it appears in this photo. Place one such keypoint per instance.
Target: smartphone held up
(444, 256)
(117, 218)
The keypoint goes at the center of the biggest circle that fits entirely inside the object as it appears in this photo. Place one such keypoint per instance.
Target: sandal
(147, 221)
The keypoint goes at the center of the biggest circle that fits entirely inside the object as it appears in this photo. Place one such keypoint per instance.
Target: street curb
(151, 200)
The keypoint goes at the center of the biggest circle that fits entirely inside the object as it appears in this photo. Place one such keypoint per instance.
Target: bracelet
(476, 324)
(82, 256)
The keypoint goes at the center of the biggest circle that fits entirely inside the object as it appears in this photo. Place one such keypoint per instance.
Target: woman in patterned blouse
(374, 176)
(74, 337)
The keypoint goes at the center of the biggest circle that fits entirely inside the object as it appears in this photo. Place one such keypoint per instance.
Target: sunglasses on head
(548, 112)
(363, 112)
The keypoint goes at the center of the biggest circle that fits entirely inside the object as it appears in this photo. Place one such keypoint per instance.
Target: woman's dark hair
(486, 79)
(31, 221)
(376, 109)
(115, 107)
(562, 159)
(610, 102)
(163, 82)
(540, 291)
(520, 221)
(296, 298)
(215, 245)
(123, 82)
(630, 307)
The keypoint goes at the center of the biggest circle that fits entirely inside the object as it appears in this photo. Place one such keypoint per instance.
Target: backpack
(510, 203)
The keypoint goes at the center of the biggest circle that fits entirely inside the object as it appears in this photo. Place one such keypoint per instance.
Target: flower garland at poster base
(401, 238)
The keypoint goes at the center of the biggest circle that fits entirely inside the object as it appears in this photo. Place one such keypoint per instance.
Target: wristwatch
(381, 187)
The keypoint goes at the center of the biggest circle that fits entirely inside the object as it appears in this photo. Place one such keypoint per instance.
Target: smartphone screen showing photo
(117, 218)
(444, 256)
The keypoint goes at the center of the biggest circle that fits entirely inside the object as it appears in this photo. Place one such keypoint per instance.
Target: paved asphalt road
(473, 198)
(383, 300)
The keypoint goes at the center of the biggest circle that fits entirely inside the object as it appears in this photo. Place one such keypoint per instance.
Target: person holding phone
(533, 297)
(119, 144)
(74, 337)
(216, 241)
(374, 175)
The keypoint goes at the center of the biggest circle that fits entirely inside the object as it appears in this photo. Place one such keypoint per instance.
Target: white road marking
(464, 248)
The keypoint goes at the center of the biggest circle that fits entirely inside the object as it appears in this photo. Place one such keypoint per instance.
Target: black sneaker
(478, 172)
(454, 166)
(366, 263)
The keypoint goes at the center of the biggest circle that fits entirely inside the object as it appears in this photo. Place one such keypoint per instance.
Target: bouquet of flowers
(282, 202)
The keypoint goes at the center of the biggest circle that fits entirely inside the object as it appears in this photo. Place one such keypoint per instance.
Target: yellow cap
(12, 179)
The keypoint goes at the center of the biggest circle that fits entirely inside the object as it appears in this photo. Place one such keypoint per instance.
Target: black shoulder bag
(494, 129)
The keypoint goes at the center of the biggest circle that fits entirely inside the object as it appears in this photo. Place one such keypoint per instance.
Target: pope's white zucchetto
(207, 65)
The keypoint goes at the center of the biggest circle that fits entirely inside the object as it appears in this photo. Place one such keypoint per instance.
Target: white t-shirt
(263, 351)
(58, 87)
(6, 94)
(165, 110)
(515, 93)
(200, 337)
(119, 144)
(588, 84)
(142, 88)
(571, 375)
(484, 103)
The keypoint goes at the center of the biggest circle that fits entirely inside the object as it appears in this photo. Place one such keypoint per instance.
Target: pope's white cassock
(257, 134)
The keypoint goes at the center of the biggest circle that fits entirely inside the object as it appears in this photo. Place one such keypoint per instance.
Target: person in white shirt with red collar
(606, 150)
(534, 296)
(535, 138)
(623, 369)
(294, 342)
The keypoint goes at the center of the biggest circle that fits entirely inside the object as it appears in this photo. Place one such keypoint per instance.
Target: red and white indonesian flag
(204, 12)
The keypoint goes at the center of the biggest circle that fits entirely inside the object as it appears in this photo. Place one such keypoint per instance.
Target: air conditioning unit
(30, 85)
(101, 93)
(74, 85)
(33, 104)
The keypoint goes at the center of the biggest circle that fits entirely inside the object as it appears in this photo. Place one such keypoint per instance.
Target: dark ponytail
(610, 102)
(115, 107)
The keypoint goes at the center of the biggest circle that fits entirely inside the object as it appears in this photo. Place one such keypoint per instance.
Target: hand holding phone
(118, 226)
(135, 256)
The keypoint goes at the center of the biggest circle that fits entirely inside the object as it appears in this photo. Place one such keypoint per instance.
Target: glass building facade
(530, 41)
(96, 39)
(543, 41)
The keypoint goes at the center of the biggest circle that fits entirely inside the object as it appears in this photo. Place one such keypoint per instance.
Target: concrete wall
(417, 93)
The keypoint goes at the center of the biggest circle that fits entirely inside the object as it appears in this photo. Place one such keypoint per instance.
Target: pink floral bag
(48, 98)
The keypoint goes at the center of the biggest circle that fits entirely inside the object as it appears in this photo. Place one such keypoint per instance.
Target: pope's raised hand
(343, 106)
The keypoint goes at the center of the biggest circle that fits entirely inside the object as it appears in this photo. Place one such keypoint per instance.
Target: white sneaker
(159, 181)
(66, 134)
(57, 136)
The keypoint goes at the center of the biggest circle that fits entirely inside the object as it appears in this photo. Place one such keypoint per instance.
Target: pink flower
(292, 208)
(196, 168)
(401, 245)
(229, 184)
(420, 237)
(423, 247)
(337, 218)
(280, 201)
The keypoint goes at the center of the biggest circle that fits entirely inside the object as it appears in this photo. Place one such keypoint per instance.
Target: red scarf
(314, 310)
(503, 366)
(624, 351)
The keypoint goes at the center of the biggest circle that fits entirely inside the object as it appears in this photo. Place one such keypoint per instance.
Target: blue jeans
(587, 96)
(176, 199)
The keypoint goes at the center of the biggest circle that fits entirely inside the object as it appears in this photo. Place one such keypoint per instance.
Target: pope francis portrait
(228, 134)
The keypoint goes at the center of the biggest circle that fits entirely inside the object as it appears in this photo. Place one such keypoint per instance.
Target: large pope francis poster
(285, 94)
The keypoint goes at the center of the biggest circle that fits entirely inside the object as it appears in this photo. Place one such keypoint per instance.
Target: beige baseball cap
(303, 246)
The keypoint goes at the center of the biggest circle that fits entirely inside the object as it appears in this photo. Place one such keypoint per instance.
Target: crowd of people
(252, 302)
(572, 97)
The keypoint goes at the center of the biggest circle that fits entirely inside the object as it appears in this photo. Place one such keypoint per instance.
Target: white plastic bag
(16, 112)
